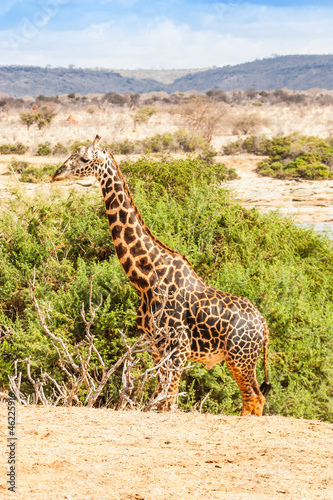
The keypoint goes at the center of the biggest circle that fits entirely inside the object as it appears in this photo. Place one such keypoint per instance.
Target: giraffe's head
(85, 161)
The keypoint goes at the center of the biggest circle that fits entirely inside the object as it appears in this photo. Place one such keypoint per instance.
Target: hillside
(298, 72)
(81, 453)
(19, 81)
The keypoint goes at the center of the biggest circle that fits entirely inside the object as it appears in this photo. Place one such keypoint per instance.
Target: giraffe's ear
(96, 142)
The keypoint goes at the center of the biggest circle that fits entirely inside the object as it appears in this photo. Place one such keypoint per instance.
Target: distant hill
(18, 81)
(300, 72)
(295, 72)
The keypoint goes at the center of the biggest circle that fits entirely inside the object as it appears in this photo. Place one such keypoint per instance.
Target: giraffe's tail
(265, 386)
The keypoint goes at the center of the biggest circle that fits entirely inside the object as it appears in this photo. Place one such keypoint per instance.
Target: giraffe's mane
(142, 222)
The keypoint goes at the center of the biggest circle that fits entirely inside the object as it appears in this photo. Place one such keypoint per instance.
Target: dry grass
(220, 121)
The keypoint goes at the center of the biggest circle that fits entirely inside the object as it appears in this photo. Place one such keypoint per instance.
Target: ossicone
(96, 141)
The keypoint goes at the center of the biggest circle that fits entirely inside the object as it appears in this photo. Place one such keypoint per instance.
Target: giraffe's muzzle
(61, 173)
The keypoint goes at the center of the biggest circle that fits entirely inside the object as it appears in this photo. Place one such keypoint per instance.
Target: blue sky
(160, 34)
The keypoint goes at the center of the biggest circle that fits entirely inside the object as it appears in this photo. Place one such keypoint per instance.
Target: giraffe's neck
(137, 249)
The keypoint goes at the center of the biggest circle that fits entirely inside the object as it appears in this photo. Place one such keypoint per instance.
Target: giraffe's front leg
(171, 363)
(168, 382)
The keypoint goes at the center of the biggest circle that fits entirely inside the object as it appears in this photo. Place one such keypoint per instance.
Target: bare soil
(81, 453)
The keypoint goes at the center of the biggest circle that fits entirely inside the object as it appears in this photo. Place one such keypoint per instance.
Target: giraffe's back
(220, 324)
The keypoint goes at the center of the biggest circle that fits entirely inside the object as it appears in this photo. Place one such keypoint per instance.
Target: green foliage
(44, 150)
(15, 149)
(71, 96)
(286, 271)
(123, 147)
(76, 144)
(143, 115)
(17, 166)
(59, 150)
(175, 176)
(115, 98)
(290, 156)
(38, 174)
(41, 119)
(181, 140)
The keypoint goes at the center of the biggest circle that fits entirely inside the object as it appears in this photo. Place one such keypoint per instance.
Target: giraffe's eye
(84, 160)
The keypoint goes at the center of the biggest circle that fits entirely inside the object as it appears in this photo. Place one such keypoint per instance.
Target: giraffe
(205, 324)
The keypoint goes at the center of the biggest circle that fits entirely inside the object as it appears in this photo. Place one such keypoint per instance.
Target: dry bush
(86, 374)
(203, 117)
(248, 123)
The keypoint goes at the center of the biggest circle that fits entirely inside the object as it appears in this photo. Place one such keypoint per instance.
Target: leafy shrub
(143, 115)
(176, 176)
(290, 156)
(181, 140)
(43, 98)
(38, 174)
(76, 144)
(115, 98)
(297, 156)
(17, 149)
(252, 144)
(18, 166)
(286, 271)
(41, 119)
(123, 147)
(59, 150)
(44, 150)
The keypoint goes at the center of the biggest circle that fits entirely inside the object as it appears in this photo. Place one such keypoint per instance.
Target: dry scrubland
(266, 113)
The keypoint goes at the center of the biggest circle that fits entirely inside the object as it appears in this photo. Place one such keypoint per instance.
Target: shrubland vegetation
(286, 271)
(290, 156)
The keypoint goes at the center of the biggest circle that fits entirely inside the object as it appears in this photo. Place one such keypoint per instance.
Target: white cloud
(243, 34)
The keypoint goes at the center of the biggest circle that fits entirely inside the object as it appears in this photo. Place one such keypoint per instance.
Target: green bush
(18, 166)
(17, 149)
(286, 271)
(290, 157)
(297, 156)
(59, 150)
(44, 150)
(41, 118)
(76, 144)
(38, 174)
(176, 176)
(143, 115)
(123, 147)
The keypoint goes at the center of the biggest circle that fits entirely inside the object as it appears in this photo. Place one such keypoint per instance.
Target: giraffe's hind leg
(253, 400)
(243, 370)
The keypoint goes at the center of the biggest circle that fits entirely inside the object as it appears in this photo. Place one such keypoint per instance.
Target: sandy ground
(88, 454)
(80, 453)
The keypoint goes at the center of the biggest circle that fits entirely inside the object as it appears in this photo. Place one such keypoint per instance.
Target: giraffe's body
(213, 325)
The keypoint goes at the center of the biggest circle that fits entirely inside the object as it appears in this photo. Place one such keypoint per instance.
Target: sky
(160, 34)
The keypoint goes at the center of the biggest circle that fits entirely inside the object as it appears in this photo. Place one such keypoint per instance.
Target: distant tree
(28, 119)
(71, 95)
(42, 119)
(143, 115)
(115, 98)
(217, 95)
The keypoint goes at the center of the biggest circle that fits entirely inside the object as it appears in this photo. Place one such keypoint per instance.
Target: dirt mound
(80, 453)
